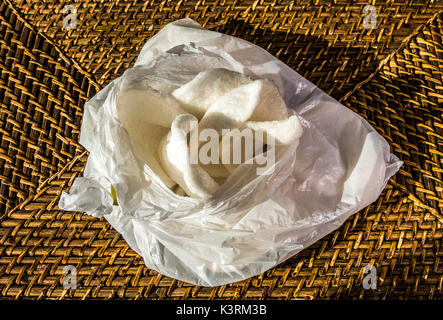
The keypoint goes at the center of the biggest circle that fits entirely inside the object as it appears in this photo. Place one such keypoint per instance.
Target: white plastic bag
(252, 223)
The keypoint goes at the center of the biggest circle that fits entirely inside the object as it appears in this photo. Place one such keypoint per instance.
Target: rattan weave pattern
(401, 233)
(41, 109)
(323, 40)
(404, 102)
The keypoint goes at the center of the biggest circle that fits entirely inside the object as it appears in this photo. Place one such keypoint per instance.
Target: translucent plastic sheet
(339, 166)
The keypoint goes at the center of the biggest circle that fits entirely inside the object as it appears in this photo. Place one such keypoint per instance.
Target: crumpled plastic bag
(252, 223)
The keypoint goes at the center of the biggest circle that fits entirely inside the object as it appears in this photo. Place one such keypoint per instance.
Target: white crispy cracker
(201, 92)
(283, 131)
(175, 158)
(145, 130)
(149, 105)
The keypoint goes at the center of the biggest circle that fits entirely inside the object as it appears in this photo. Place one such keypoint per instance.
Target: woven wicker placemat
(400, 234)
(42, 97)
(323, 40)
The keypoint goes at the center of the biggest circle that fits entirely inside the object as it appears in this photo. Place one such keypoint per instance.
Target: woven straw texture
(391, 75)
